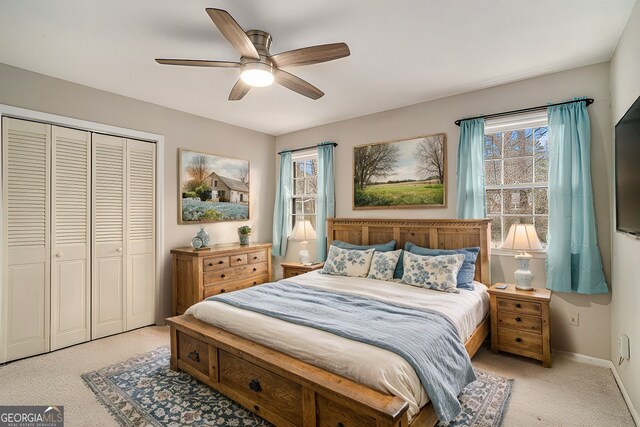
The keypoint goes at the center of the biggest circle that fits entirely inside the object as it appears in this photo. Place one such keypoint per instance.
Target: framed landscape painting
(405, 173)
(212, 188)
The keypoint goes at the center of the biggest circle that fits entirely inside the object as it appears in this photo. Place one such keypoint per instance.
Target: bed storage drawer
(520, 322)
(269, 390)
(520, 340)
(193, 352)
(332, 414)
(521, 307)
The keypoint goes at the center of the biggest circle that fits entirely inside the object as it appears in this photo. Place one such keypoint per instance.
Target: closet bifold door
(26, 151)
(108, 237)
(140, 284)
(70, 249)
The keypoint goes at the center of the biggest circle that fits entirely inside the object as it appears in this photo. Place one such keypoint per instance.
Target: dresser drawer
(257, 257)
(521, 340)
(520, 322)
(332, 414)
(234, 273)
(240, 259)
(521, 307)
(215, 263)
(273, 392)
(216, 289)
(193, 352)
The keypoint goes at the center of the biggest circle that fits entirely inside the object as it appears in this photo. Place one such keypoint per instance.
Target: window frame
(304, 197)
(505, 126)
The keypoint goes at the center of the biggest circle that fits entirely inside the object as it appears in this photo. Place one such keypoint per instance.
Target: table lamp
(303, 232)
(522, 237)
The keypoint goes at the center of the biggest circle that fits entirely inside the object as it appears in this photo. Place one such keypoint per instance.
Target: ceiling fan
(259, 67)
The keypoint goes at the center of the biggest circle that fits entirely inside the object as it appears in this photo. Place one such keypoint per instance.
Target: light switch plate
(623, 347)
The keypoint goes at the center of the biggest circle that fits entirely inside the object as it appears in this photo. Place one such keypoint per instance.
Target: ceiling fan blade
(239, 90)
(298, 85)
(233, 32)
(199, 63)
(311, 55)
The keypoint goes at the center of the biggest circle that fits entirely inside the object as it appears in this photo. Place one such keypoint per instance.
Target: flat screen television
(628, 171)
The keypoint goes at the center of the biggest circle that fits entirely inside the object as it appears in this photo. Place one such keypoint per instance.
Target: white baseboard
(604, 363)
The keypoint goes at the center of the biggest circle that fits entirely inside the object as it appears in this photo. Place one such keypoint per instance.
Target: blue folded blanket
(426, 339)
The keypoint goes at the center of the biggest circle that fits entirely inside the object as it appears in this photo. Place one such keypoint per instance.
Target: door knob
(119, 250)
(59, 255)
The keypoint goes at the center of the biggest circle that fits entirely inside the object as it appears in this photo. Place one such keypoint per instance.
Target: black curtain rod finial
(587, 101)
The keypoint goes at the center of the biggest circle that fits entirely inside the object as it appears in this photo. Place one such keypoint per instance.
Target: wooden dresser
(520, 322)
(199, 274)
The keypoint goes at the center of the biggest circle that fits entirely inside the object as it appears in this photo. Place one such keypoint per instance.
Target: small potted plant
(244, 233)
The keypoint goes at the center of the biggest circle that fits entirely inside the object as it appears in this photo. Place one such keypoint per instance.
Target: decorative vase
(244, 238)
(204, 236)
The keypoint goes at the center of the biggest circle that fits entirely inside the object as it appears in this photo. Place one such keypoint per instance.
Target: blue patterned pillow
(432, 272)
(382, 247)
(345, 262)
(468, 269)
(384, 264)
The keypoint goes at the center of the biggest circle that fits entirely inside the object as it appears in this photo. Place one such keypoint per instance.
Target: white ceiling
(402, 52)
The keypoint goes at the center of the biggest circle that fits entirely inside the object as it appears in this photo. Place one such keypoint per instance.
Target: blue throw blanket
(426, 339)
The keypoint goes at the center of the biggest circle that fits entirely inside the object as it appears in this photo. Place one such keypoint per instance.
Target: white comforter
(364, 363)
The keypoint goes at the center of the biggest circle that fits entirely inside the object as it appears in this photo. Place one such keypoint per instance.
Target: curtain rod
(293, 150)
(587, 101)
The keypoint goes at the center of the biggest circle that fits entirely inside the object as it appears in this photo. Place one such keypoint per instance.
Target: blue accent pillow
(382, 247)
(468, 269)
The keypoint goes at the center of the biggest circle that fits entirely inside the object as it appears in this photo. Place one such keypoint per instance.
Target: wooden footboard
(284, 390)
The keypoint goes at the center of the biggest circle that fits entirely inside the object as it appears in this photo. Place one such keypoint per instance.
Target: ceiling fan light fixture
(257, 74)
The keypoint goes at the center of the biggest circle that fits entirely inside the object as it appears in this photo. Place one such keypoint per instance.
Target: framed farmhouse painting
(212, 188)
(405, 173)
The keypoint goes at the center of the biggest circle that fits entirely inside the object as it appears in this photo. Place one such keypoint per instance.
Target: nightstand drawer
(520, 322)
(215, 263)
(526, 341)
(518, 306)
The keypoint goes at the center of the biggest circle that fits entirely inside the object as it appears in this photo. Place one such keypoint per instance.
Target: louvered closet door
(26, 160)
(109, 209)
(141, 233)
(70, 248)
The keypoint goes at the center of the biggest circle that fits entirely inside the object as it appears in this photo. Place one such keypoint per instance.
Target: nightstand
(520, 322)
(290, 269)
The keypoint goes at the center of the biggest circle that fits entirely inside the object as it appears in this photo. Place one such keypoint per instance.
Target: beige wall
(33, 91)
(625, 304)
(592, 336)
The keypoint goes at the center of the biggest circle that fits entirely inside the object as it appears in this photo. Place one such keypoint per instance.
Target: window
(516, 161)
(305, 184)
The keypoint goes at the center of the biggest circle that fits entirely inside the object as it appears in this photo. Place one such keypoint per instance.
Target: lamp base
(304, 257)
(523, 275)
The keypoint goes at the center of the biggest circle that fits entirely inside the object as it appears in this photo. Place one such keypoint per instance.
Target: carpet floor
(569, 394)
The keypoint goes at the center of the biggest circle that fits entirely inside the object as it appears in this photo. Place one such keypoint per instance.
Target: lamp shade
(522, 237)
(303, 231)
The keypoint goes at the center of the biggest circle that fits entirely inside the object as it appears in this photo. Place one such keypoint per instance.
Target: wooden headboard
(429, 233)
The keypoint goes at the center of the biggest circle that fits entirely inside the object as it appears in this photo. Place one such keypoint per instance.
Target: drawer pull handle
(518, 339)
(518, 319)
(518, 305)
(255, 269)
(210, 264)
(222, 276)
(255, 283)
(339, 425)
(255, 257)
(221, 262)
(255, 386)
(222, 291)
(194, 355)
(238, 259)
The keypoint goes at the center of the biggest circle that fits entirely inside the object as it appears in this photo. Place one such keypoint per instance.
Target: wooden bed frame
(289, 392)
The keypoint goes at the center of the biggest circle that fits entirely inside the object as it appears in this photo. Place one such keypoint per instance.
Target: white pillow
(348, 262)
(432, 272)
(383, 265)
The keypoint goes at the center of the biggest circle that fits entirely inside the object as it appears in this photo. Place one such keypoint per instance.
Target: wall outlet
(623, 347)
(574, 319)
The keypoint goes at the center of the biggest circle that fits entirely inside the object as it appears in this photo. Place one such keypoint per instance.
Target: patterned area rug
(143, 391)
